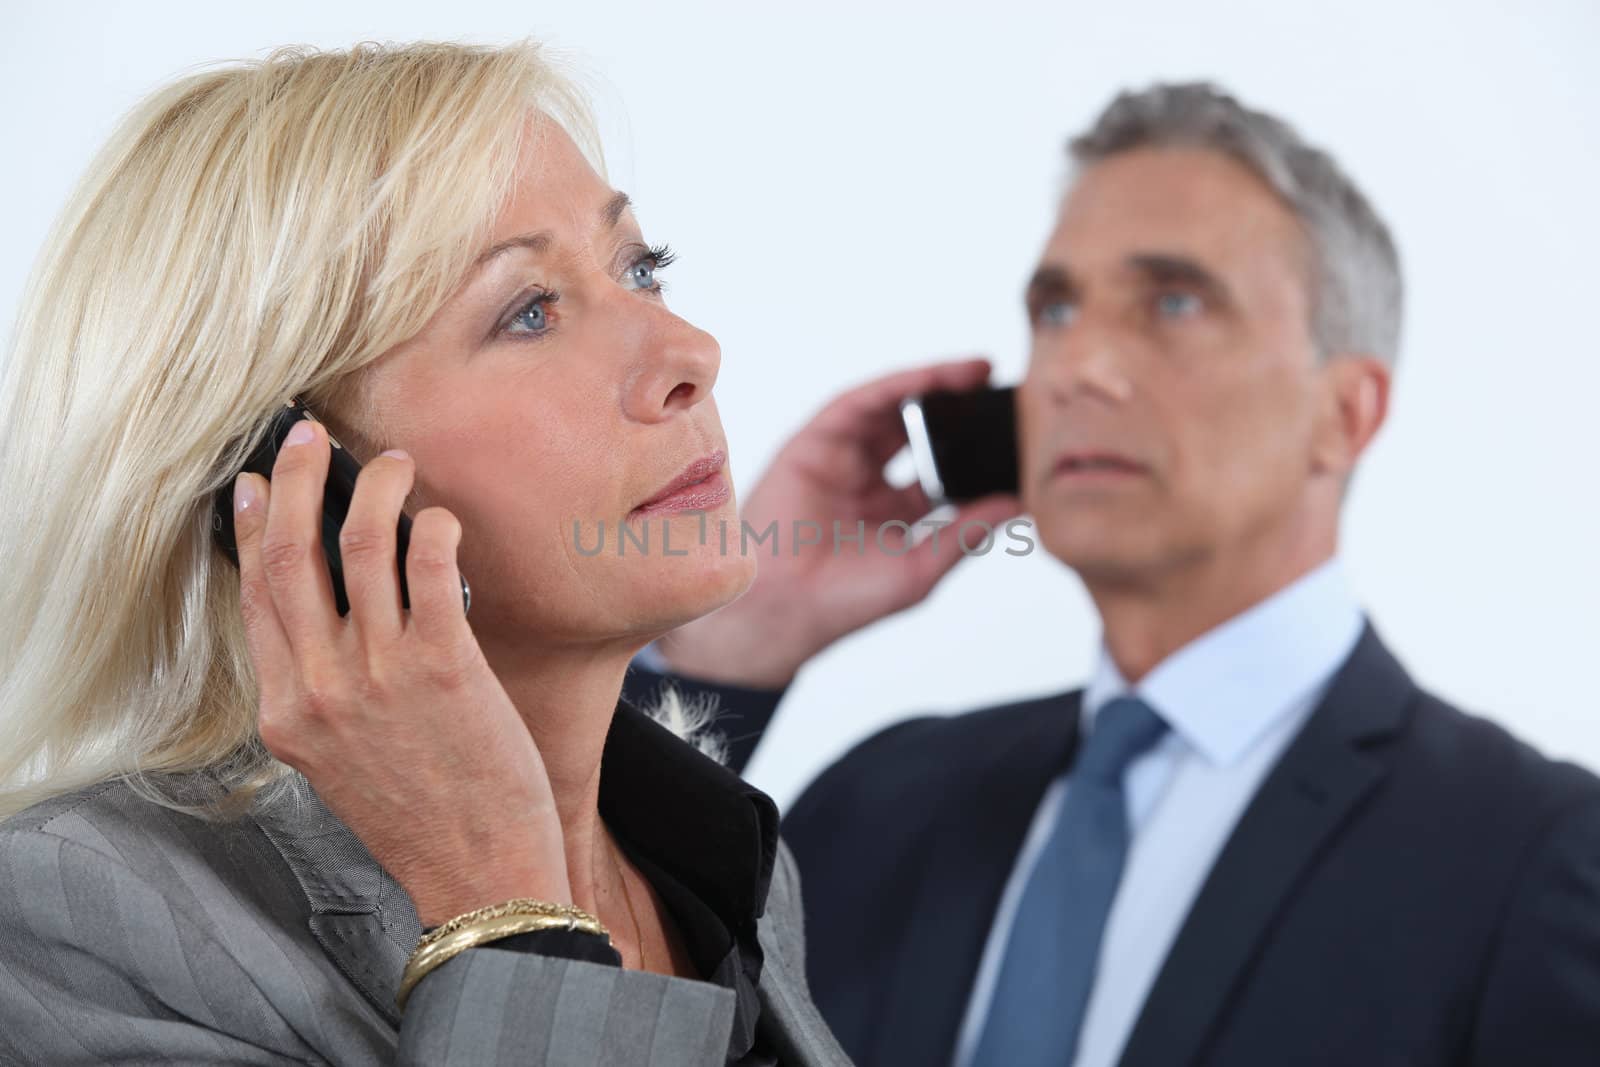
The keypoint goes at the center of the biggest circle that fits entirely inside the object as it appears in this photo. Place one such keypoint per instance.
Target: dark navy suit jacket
(1410, 885)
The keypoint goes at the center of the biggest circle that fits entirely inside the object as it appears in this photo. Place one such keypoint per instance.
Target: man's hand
(808, 596)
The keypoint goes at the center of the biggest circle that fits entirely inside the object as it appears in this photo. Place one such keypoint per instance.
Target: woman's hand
(395, 718)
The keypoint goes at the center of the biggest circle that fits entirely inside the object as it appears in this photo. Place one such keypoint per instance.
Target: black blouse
(707, 841)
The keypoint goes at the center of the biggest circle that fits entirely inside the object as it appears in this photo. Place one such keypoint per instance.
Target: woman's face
(547, 401)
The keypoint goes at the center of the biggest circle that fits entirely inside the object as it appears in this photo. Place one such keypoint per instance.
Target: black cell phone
(336, 496)
(964, 444)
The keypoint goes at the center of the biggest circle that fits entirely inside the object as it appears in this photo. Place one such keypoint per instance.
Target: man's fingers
(969, 527)
(263, 631)
(866, 407)
(908, 503)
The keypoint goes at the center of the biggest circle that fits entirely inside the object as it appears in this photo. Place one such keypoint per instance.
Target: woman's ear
(339, 408)
(1355, 402)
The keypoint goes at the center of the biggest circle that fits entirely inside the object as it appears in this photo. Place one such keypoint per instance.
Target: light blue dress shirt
(1235, 697)
(650, 657)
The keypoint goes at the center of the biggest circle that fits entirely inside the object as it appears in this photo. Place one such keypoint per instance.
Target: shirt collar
(697, 820)
(1225, 689)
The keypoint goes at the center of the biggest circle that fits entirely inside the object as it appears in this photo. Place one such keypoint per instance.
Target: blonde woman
(232, 812)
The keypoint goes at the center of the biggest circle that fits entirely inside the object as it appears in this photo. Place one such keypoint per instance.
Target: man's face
(1173, 399)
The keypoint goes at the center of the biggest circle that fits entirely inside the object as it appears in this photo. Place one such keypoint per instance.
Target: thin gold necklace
(627, 898)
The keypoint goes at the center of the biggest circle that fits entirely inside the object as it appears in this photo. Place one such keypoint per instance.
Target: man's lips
(1091, 464)
(701, 485)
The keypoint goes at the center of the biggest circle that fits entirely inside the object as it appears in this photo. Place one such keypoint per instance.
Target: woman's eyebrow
(539, 242)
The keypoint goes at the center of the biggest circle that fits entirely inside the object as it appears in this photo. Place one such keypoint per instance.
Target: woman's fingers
(367, 545)
(379, 727)
(269, 645)
(433, 580)
(292, 557)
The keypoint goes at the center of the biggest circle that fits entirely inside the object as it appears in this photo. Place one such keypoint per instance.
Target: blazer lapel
(966, 860)
(788, 1014)
(360, 916)
(1309, 795)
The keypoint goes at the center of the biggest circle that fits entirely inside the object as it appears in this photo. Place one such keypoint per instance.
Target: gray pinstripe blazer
(130, 933)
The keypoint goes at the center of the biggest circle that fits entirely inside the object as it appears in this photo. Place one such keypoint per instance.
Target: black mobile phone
(336, 496)
(964, 444)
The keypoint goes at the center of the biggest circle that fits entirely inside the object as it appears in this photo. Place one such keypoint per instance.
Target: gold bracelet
(580, 919)
(484, 925)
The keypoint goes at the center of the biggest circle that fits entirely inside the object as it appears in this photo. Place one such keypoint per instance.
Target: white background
(859, 187)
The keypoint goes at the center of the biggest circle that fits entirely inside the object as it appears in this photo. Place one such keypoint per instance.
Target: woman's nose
(678, 365)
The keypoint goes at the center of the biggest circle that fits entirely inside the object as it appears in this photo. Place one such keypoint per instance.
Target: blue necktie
(1049, 963)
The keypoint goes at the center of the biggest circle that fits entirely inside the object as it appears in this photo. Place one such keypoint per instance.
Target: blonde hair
(250, 232)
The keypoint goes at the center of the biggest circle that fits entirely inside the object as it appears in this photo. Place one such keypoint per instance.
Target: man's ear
(1355, 402)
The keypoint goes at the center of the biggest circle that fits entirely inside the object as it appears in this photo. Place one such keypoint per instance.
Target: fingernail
(245, 493)
(300, 434)
(398, 453)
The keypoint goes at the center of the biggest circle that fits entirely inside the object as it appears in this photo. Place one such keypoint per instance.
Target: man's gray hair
(1356, 292)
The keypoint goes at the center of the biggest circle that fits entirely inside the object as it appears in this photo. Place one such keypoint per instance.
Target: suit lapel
(359, 915)
(965, 861)
(788, 1014)
(1314, 789)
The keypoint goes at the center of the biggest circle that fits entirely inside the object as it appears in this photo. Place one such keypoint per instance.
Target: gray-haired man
(1252, 838)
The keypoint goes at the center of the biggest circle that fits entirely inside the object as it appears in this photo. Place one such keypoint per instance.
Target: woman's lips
(701, 496)
(700, 487)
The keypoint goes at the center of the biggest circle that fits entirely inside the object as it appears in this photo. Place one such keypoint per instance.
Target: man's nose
(1087, 359)
(675, 368)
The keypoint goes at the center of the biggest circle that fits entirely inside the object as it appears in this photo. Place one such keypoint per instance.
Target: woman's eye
(642, 274)
(1178, 305)
(533, 318)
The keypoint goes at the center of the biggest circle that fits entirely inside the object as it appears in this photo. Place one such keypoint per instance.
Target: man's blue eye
(1057, 313)
(1178, 305)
